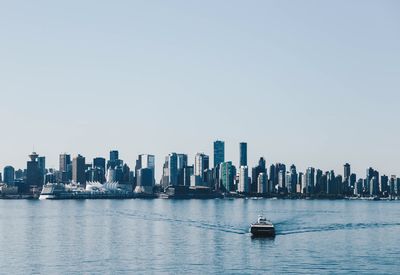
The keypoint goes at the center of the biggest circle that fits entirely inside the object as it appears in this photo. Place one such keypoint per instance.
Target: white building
(243, 186)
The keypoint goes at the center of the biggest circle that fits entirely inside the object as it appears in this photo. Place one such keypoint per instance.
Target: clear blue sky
(315, 83)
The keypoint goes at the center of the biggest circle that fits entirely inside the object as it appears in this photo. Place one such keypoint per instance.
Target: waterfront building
(170, 171)
(300, 183)
(358, 190)
(182, 162)
(78, 170)
(291, 180)
(145, 181)
(273, 177)
(65, 168)
(339, 185)
(255, 172)
(347, 174)
(353, 180)
(369, 176)
(384, 187)
(34, 176)
(99, 164)
(262, 183)
(243, 186)
(42, 165)
(145, 161)
(219, 153)
(392, 186)
(282, 181)
(9, 175)
(319, 181)
(114, 160)
(331, 183)
(374, 186)
(201, 164)
(310, 180)
(243, 154)
(227, 177)
(188, 172)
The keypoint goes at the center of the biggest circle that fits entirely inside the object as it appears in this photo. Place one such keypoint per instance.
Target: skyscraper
(78, 170)
(9, 175)
(310, 180)
(219, 153)
(291, 181)
(114, 160)
(255, 172)
(65, 161)
(145, 181)
(170, 173)
(262, 183)
(65, 168)
(145, 161)
(42, 165)
(201, 164)
(227, 177)
(34, 177)
(243, 154)
(243, 186)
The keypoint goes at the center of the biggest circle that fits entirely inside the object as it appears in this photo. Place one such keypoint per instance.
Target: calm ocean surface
(195, 236)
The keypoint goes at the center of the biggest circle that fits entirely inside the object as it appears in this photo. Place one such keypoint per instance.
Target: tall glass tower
(243, 154)
(219, 152)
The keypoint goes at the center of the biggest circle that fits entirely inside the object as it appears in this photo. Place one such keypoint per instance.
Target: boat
(262, 228)
(51, 191)
(93, 190)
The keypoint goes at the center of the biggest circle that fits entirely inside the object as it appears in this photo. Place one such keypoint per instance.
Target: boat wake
(192, 223)
(336, 227)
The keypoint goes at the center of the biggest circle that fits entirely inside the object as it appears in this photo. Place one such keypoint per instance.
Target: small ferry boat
(262, 228)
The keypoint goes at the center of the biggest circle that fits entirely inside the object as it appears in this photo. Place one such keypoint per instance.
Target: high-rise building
(98, 172)
(392, 186)
(34, 177)
(78, 170)
(42, 165)
(374, 186)
(188, 172)
(331, 183)
(145, 181)
(65, 168)
(99, 163)
(291, 180)
(255, 172)
(347, 172)
(318, 181)
(114, 160)
(114, 155)
(227, 177)
(369, 175)
(65, 161)
(262, 183)
(145, 161)
(9, 175)
(170, 171)
(243, 154)
(384, 188)
(310, 180)
(201, 164)
(219, 153)
(243, 186)
(282, 181)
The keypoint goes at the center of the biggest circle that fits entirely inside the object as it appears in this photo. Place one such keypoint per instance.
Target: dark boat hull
(262, 232)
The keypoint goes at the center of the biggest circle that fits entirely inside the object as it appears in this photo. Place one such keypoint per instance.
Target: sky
(314, 83)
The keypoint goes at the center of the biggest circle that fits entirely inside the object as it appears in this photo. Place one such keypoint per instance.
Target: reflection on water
(191, 236)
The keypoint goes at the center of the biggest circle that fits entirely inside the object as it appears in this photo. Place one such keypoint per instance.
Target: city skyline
(291, 79)
(55, 161)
